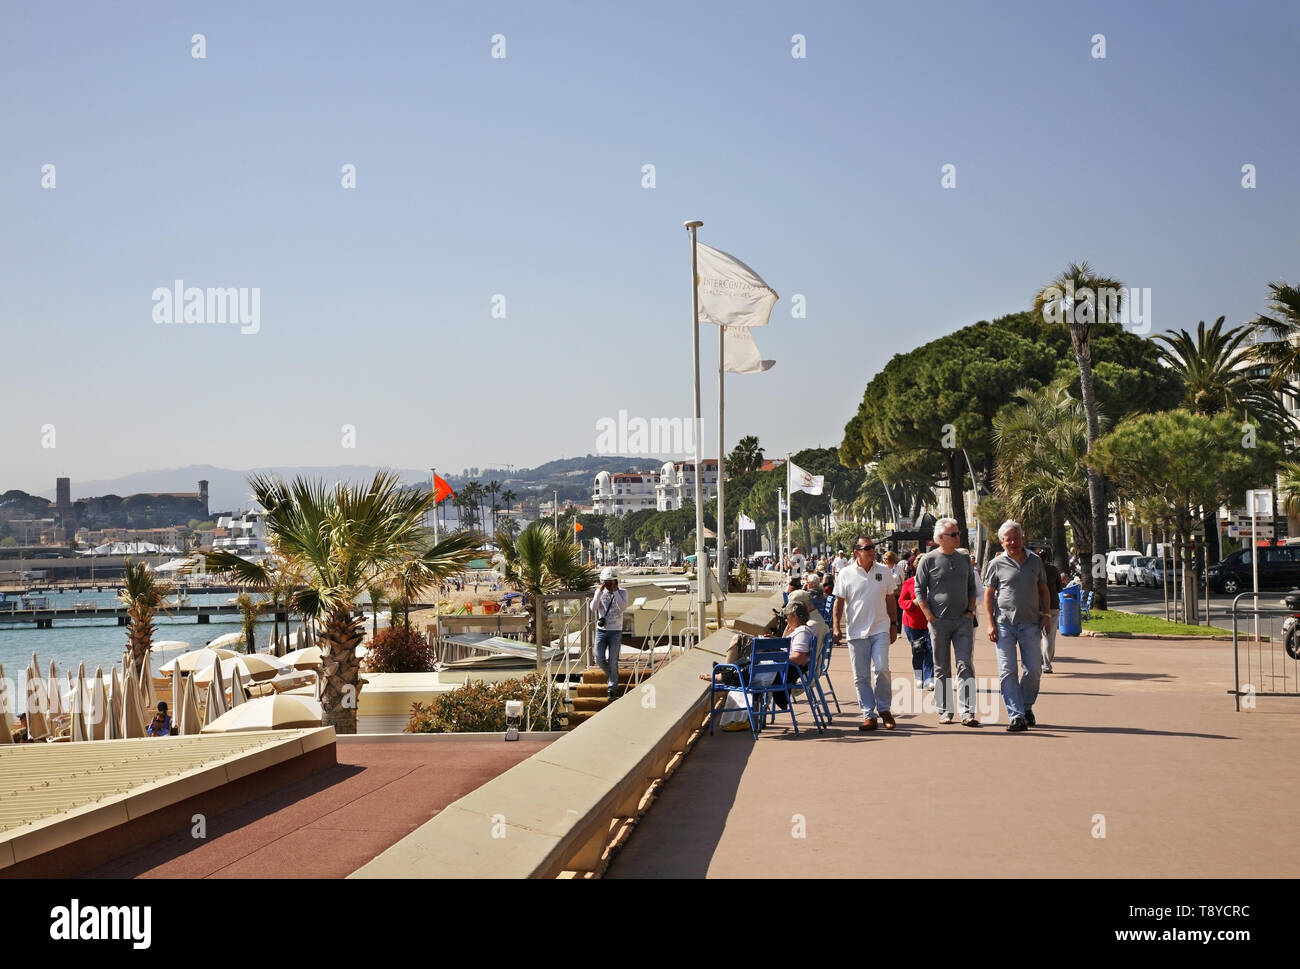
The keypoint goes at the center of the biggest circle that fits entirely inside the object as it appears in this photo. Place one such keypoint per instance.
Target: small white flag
(746, 523)
(801, 480)
(782, 506)
(740, 352)
(731, 294)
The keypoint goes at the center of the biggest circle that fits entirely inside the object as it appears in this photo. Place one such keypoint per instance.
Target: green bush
(478, 707)
(742, 578)
(400, 650)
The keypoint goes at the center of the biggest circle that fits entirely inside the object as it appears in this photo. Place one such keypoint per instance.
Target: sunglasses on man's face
(950, 534)
(864, 548)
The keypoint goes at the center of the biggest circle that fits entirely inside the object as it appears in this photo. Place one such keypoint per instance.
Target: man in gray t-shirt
(945, 592)
(1017, 606)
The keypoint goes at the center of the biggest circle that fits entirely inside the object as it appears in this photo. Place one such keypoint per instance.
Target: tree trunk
(1189, 589)
(341, 671)
(958, 495)
(807, 536)
(1096, 486)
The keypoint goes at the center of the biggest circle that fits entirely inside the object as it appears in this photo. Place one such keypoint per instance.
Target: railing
(1270, 653)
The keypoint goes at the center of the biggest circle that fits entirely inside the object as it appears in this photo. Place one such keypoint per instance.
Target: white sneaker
(946, 718)
(919, 682)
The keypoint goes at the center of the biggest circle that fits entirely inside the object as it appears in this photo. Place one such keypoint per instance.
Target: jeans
(862, 654)
(1049, 640)
(1019, 695)
(922, 654)
(607, 644)
(949, 636)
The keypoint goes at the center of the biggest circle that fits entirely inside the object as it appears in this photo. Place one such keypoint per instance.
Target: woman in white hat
(608, 604)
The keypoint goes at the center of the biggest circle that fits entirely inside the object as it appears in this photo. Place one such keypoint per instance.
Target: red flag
(441, 490)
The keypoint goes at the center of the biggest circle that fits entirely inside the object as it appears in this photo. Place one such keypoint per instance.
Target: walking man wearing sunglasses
(867, 612)
(946, 593)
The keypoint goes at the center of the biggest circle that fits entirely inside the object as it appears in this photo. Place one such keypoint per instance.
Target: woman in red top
(917, 630)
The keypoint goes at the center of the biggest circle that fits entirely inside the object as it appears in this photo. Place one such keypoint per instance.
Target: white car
(1118, 562)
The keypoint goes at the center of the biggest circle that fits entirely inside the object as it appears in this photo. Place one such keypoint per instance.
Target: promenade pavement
(1139, 767)
(329, 824)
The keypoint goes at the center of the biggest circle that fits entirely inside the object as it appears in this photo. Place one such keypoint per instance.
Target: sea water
(101, 641)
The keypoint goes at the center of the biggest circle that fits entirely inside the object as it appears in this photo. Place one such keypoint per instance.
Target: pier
(44, 618)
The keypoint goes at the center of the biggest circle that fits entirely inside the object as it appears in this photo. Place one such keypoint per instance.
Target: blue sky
(522, 176)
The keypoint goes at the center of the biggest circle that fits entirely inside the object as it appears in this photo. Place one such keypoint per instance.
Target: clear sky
(522, 176)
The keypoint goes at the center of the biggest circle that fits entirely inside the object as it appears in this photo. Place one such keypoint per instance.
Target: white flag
(740, 352)
(801, 480)
(781, 506)
(731, 294)
(746, 523)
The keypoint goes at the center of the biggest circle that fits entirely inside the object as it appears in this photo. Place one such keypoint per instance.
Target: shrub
(478, 707)
(400, 650)
(742, 578)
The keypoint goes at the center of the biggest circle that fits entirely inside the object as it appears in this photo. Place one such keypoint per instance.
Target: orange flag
(441, 490)
(577, 526)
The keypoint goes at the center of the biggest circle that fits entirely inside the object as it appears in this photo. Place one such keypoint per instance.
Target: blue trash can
(1069, 623)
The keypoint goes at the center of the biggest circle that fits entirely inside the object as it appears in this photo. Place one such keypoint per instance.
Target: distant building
(243, 535)
(620, 494)
(676, 485)
(63, 494)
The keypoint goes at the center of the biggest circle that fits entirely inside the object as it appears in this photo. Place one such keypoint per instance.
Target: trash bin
(1069, 623)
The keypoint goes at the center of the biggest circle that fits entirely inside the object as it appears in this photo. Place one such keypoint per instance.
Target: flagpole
(780, 544)
(722, 518)
(700, 567)
(789, 510)
(433, 483)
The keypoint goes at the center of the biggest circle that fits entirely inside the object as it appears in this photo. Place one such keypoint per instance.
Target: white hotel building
(667, 490)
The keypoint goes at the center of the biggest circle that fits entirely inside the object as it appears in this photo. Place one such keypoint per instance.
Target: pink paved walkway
(1140, 735)
(328, 825)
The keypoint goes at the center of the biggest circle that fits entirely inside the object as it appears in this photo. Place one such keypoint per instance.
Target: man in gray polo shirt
(1018, 608)
(945, 592)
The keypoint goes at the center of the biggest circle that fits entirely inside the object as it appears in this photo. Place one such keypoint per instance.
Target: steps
(591, 696)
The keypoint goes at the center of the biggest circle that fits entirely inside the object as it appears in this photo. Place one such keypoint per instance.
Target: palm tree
(745, 456)
(1217, 376)
(144, 595)
(493, 488)
(1040, 443)
(248, 610)
(345, 540)
(1283, 352)
(540, 561)
(508, 497)
(1081, 299)
(1288, 474)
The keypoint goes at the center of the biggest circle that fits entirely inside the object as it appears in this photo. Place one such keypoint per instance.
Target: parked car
(1118, 562)
(1279, 568)
(1140, 573)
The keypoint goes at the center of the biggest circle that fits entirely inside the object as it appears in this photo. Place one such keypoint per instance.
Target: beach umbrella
(279, 712)
(79, 732)
(148, 695)
(254, 666)
(227, 641)
(114, 727)
(55, 694)
(6, 703)
(189, 723)
(300, 639)
(308, 658)
(237, 694)
(195, 660)
(132, 722)
(169, 645)
(98, 705)
(38, 705)
(216, 700)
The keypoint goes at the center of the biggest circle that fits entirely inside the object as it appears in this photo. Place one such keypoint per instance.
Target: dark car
(1279, 568)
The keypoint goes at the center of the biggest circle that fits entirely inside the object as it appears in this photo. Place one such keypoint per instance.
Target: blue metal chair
(828, 610)
(808, 682)
(1085, 610)
(823, 672)
(768, 659)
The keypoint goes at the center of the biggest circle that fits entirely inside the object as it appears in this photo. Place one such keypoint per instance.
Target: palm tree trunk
(341, 686)
(1060, 549)
(1096, 486)
(957, 493)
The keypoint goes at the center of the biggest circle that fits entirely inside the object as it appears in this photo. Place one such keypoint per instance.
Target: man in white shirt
(866, 613)
(608, 604)
(841, 560)
(797, 561)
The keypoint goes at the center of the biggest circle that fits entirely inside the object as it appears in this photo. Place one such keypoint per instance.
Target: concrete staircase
(590, 697)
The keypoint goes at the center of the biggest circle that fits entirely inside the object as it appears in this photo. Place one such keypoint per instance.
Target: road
(1150, 602)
